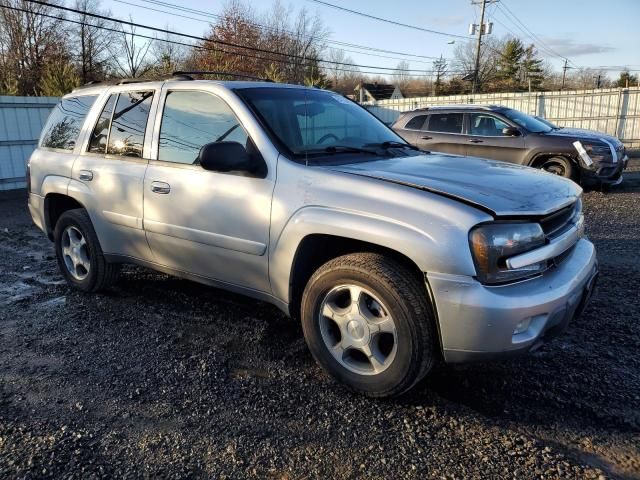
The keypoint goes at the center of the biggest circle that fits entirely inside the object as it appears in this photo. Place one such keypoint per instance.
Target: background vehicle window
(100, 134)
(193, 119)
(416, 122)
(65, 121)
(446, 122)
(129, 124)
(486, 125)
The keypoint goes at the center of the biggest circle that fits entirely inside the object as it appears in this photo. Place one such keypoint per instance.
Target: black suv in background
(501, 133)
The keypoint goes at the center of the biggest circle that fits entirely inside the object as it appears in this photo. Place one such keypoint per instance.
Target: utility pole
(481, 30)
(564, 72)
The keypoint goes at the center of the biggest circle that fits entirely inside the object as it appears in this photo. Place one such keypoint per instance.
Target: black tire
(560, 166)
(101, 274)
(404, 296)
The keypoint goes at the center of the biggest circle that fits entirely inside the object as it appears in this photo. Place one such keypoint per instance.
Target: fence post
(623, 106)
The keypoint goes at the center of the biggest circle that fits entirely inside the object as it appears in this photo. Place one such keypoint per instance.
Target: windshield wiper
(392, 144)
(334, 149)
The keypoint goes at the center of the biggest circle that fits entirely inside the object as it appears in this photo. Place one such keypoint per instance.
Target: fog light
(522, 326)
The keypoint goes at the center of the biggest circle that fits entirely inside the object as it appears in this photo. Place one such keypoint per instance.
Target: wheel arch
(536, 160)
(315, 249)
(55, 204)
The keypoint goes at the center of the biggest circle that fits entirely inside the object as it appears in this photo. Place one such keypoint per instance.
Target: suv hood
(503, 189)
(583, 135)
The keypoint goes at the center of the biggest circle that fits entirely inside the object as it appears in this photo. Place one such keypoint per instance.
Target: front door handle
(85, 175)
(426, 137)
(160, 187)
(475, 140)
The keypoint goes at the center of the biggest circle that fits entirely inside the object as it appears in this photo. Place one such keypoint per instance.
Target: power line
(386, 20)
(195, 46)
(178, 8)
(173, 6)
(506, 11)
(221, 42)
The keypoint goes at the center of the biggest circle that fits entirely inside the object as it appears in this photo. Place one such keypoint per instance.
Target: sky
(590, 33)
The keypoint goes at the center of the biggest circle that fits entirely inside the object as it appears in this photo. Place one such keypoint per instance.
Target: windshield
(548, 122)
(526, 121)
(317, 122)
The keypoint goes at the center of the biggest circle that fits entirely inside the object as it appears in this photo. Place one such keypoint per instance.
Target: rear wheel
(559, 166)
(368, 323)
(79, 254)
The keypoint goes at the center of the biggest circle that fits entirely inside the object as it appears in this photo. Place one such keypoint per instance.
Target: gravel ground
(165, 377)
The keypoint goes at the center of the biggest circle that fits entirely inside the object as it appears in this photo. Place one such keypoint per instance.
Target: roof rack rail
(126, 81)
(222, 74)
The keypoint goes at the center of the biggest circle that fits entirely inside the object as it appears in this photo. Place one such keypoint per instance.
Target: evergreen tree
(532, 68)
(626, 80)
(510, 63)
(59, 79)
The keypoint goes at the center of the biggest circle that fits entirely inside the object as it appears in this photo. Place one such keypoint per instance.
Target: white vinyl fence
(615, 111)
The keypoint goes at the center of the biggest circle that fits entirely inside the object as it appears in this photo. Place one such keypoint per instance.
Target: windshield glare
(309, 121)
(526, 121)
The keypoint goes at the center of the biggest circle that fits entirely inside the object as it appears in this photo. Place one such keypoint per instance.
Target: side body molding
(398, 236)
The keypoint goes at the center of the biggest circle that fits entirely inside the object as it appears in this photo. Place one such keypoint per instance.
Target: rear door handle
(426, 137)
(160, 187)
(85, 175)
(475, 140)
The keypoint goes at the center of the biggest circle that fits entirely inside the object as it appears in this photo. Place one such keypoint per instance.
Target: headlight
(492, 243)
(597, 152)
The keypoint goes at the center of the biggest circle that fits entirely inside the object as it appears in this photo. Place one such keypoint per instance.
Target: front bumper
(478, 322)
(607, 173)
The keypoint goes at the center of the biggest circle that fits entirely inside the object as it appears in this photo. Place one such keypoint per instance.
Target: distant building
(367, 92)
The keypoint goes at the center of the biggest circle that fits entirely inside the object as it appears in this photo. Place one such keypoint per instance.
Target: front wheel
(559, 166)
(368, 323)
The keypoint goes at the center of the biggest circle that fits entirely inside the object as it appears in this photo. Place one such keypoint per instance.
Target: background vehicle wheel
(367, 321)
(80, 257)
(559, 166)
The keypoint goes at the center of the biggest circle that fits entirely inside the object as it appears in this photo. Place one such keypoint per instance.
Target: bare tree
(465, 57)
(402, 74)
(129, 54)
(167, 54)
(440, 68)
(29, 42)
(91, 41)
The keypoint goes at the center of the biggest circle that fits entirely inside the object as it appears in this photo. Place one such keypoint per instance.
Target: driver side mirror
(228, 157)
(511, 132)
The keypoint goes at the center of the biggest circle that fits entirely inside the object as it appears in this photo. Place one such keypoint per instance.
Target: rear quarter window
(416, 123)
(65, 122)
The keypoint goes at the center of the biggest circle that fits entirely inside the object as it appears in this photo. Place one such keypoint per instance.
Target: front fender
(428, 251)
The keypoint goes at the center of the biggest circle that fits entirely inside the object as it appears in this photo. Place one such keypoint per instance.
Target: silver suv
(391, 258)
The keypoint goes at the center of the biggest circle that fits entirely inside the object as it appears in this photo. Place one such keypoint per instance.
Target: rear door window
(65, 122)
(129, 123)
(445, 122)
(100, 134)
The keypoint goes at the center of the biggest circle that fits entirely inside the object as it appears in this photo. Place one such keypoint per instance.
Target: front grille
(556, 223)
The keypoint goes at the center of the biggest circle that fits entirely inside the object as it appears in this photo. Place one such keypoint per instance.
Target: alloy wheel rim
(358, 330)
(554, 168)
(75, 253)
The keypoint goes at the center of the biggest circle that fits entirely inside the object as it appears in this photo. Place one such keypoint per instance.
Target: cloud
(568, 47)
